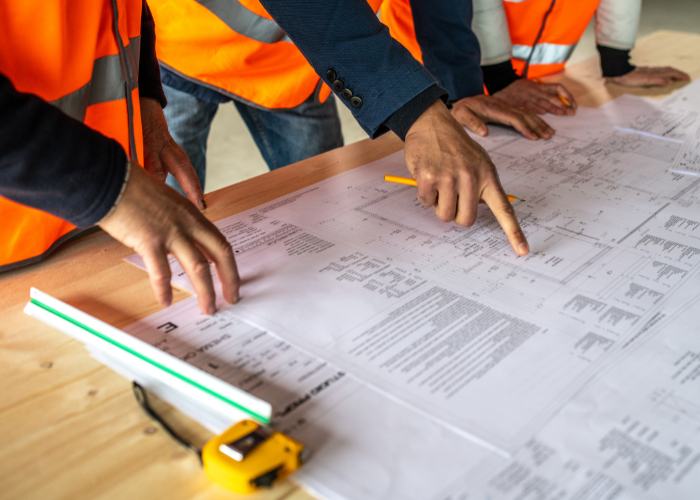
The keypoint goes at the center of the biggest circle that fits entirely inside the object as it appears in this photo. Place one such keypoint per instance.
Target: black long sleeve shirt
(57, 164)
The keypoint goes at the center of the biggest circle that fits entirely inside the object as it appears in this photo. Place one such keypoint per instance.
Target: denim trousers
(283, 136)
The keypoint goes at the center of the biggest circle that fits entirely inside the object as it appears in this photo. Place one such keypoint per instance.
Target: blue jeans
(282, 136)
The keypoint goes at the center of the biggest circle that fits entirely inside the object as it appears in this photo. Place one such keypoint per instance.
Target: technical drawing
(677, 409)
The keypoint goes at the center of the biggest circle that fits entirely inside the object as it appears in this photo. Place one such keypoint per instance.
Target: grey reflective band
(245, 22)
(106, 84)
(545, 53)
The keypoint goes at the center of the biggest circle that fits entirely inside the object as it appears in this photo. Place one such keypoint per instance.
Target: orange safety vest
(234, 47)
(69, 54)
(397, 16)
(561, 27)
(546, 32)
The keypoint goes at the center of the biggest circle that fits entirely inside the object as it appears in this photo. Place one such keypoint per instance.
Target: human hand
(156, 221)
(538, 97)
(650, 77)
(453, 172)
(162, 154)
(473, 112)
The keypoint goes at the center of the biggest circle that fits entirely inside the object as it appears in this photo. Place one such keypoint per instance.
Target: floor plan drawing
(505, 350)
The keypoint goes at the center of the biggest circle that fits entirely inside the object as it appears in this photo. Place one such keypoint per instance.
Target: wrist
(120, 196)
(155, 128)
(614, 62)
(498, 76)
(404, 118)
(427, 119)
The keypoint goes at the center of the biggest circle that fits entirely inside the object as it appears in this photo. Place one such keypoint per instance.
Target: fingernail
(481, 131)
(523, 249)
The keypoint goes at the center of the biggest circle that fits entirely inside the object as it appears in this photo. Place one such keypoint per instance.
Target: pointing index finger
(496, 199)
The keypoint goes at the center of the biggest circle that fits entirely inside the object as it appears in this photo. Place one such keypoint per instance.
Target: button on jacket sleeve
(346, 37)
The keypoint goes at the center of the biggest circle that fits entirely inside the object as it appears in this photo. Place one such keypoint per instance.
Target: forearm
(149, 70)
(616, 23)
(614, 62)
(54, 163)
(498, 76)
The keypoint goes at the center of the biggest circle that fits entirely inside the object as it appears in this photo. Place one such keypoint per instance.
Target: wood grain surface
(71, 428)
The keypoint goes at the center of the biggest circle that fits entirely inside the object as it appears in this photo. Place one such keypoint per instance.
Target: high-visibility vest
(235, 48)
(69, 54)
(397, 16)
(561, 28)
(546, 32)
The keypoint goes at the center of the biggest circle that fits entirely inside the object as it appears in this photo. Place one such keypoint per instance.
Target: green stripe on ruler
(150, 361)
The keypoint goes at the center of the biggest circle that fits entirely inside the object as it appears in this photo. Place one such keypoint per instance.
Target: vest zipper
(128, 71)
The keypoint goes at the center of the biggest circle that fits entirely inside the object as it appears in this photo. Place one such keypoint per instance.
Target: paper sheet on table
(448, 319)
(363, 445)
(687, 97)
(634, 433)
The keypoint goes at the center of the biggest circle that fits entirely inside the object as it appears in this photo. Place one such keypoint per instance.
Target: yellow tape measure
(249, 456)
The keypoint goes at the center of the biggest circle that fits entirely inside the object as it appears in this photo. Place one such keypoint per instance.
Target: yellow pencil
(561, 97)
(412, 182)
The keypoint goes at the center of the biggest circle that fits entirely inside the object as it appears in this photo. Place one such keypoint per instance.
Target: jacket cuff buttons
(345, 93)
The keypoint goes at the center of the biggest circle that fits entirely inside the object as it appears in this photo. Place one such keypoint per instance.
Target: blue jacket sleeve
(449, 47)
(345, 40)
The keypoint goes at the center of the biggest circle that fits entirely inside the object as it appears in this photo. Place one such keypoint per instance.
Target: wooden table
(70, 427)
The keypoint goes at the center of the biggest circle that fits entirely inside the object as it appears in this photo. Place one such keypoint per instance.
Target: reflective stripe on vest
(554, 25)
(74, 58)
(235, 48)
(106, 84)
(246, 22)
(545, 53)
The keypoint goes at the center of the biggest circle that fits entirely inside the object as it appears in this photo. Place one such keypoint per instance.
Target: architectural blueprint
(525, 355)
(361, 442)
(633, 433)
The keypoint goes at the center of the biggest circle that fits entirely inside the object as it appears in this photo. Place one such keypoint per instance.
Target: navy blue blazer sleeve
(346, 37)
(449, 47)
